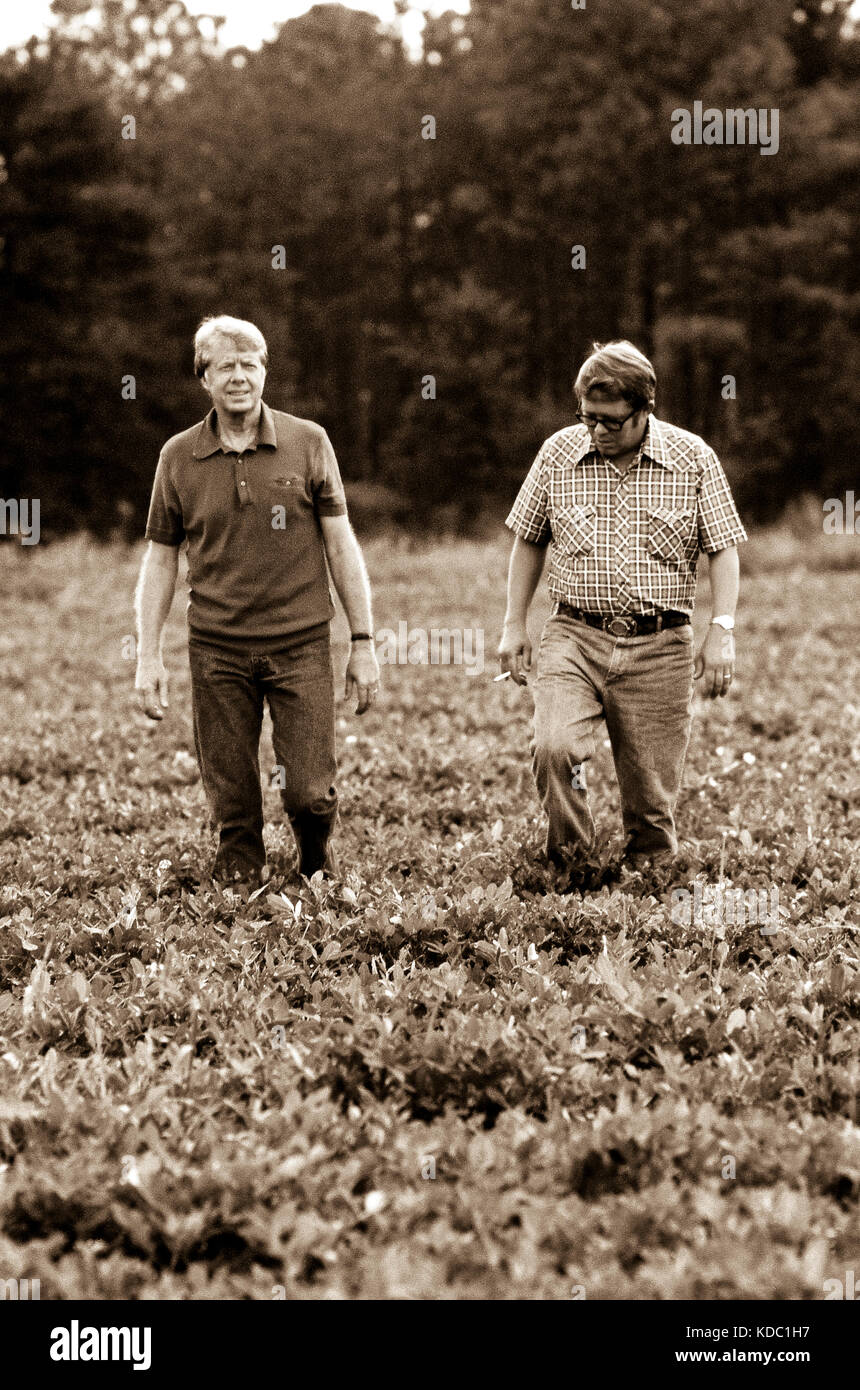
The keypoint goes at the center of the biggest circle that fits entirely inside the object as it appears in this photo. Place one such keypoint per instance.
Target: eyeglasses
(592, 421)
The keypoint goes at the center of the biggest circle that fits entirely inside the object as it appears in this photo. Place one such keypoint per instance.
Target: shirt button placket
(623, 540)
(244, 499)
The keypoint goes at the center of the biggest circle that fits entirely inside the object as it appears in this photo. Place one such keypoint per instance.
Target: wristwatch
(725, 621)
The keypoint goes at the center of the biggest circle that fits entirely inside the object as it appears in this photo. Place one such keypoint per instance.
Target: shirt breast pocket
(285, 495)
(670, 534)
(574, 531)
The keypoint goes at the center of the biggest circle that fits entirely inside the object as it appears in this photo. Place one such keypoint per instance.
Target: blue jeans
(228, 687)
(643, 687)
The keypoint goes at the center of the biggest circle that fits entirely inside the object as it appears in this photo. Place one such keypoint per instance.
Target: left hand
(716, 662)
(362, 675)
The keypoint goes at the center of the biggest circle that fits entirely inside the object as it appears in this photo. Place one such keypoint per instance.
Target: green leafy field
(435, 1079)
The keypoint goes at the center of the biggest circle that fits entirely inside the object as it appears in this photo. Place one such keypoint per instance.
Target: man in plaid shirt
(628, 501)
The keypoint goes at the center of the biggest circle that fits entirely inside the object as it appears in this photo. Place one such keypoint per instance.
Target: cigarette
(502, 677)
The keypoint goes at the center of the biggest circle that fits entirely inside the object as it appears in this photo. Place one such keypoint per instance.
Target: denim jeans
(228, 687)
(643, 687)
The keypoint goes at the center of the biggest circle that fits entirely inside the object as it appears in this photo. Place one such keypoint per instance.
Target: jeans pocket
(303, 661)
(200, 660)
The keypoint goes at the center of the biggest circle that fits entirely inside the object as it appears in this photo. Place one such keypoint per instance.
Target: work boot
(312, 841)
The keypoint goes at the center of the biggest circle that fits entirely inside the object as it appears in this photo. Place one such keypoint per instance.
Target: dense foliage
(434, 1078)
(406, 257)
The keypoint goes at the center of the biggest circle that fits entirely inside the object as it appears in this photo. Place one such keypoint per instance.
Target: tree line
(431, 245)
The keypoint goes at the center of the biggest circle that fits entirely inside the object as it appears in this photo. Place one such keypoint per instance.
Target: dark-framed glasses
(592, 421)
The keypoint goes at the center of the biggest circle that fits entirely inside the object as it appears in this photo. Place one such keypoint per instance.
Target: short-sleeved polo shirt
(256, 558)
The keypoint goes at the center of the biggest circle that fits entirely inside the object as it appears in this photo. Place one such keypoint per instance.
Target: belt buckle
(627, 627)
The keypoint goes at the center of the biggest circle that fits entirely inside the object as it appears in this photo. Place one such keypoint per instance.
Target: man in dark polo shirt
(628, 502)
(257, 495)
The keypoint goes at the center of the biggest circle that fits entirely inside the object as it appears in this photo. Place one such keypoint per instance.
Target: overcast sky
(249, 22)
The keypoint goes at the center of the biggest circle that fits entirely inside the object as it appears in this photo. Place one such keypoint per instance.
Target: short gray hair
(620, 371)
(243, 334)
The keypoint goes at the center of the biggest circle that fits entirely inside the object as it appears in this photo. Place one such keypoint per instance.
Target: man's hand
(515, 652)
(362, 675)
(716, 662)
(151, 685)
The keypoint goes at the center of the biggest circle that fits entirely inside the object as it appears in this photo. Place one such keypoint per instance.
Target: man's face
(235, 378)
(594, 408)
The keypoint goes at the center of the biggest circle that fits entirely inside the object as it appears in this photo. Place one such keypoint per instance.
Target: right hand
(515, 652)
(151, 685)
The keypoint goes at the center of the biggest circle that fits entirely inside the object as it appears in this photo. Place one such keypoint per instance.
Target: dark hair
(619, 371)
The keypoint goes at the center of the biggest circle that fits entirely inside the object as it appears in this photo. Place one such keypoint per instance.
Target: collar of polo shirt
(208, 443)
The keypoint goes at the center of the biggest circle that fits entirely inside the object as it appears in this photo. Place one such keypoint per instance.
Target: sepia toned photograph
(430, 746)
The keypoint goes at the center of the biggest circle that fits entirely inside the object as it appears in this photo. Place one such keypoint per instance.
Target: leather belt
(626, 627)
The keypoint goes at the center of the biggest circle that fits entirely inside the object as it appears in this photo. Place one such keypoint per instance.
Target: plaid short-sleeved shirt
(625, 544)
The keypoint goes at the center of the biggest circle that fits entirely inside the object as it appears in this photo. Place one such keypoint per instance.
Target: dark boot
(312, 834)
